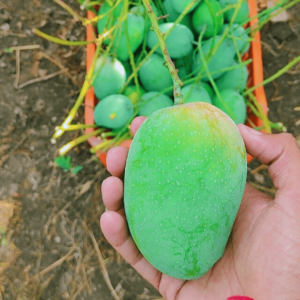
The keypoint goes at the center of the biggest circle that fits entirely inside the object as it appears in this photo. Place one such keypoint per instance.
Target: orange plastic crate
(255, 77)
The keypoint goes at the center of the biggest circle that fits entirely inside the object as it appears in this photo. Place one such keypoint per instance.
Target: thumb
(280, 152)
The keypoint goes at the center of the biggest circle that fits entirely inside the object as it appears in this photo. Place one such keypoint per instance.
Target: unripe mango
(184, 180)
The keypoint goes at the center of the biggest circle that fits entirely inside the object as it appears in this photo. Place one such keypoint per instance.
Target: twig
(44, 78)
(271, 191)
(6, 157)
(69, 10)
(178, 99)
(26, 47)
(17, 68)
(61, 67)
(55, 264)
(103, 266)
(259, 168)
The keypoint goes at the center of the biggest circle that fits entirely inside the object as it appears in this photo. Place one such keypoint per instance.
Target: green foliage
(64, 162)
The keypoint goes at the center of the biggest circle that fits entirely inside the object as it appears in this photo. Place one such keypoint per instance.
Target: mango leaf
(63, 162)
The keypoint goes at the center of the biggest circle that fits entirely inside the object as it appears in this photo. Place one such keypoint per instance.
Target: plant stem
(273, 77)
(85, 87)
(69, 10)
(178, 99)
(60, 41)
(69, 127)
(67, 147)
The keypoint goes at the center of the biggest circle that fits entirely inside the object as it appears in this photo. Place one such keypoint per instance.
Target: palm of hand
(262, 257)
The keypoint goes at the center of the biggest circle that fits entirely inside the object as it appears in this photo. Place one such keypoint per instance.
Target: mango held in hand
(184, 180)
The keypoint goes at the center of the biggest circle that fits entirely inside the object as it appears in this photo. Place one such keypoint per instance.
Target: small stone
(57, 239)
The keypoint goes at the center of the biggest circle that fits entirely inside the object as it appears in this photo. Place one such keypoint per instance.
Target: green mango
(140, 10)
(131, 92)
(180, 5)
(184, 66)
(235, 79)
(113, 111)
(232, 104)
(109, 19)
(194, 93)
(184, 180)
(208, 88)
(205, 15)
(110, 78)
(239, 35)
(153, 101)
(173, 14)
(242, 15)
(135, 32)
(222, 58)
(178, 42)
(154, 75)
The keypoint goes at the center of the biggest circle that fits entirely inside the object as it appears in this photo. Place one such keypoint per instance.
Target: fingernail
(254, 131)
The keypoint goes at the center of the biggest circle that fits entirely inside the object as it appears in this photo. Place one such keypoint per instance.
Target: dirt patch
(59, 212)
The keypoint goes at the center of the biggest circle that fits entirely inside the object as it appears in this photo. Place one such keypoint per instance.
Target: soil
(56, 214)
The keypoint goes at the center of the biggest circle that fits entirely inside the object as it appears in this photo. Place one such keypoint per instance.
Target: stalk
(60, 41)
(85, 88)
(67, 147)
(69, 127)
(69, 10)
(178, 99)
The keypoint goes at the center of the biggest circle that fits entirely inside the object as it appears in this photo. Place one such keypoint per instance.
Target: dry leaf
(6, 212)
(85, 188)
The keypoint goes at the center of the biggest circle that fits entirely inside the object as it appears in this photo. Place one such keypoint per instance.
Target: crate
(255, 77)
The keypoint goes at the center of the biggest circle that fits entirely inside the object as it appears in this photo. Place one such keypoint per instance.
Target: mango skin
(184, 180)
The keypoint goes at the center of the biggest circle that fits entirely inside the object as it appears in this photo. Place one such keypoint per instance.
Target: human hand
(262, 257)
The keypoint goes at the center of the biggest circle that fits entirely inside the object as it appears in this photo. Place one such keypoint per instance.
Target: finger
(116, 160)
(136, 123)
(117, 234)
(280, 151)
(112, 193)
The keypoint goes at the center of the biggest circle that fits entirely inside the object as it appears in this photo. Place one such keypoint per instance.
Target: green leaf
(63, 162)
(8, 50)
(76, 169)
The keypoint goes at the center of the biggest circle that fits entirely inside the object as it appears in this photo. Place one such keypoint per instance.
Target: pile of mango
(197, 45)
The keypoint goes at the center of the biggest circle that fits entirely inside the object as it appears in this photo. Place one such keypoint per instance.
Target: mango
(154, 75)
(173, 14)
(184, 180)
(232, 104)
(222, 59)
(242, 14)
(235, 79)
(194, 93)
(113, 111)
(153, 101)
(180, 5)
(179, 42)
(133, 94)
(208, 15)
(110, 76)
(135, 31)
